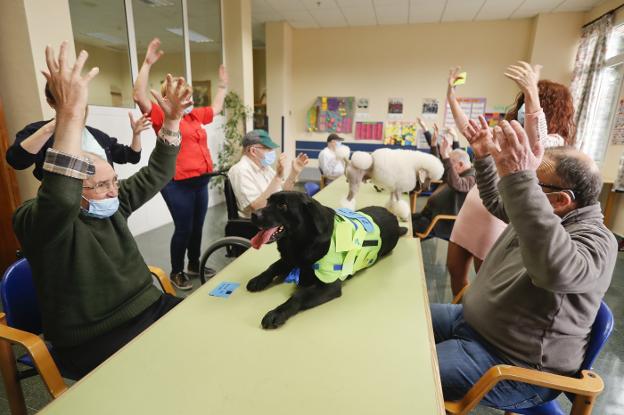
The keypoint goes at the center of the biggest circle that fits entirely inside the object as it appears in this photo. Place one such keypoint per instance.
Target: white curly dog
(397, 171)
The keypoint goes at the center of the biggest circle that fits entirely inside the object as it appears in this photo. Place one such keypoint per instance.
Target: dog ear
(319, 215)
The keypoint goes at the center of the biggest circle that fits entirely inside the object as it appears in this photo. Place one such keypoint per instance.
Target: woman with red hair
(542, 105)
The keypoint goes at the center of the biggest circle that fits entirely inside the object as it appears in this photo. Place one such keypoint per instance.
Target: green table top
(370, 351)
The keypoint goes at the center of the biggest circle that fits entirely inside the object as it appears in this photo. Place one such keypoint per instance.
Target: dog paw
(348, 204)
(258, 283)
(274, 319)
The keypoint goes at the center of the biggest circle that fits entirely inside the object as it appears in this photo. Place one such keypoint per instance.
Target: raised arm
(461, 119)
(139, 93)
(51, 214)
(219, 99)
(23, 152)
(557, 259)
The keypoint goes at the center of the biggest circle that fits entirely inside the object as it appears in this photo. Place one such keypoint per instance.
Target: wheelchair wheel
(219, 254)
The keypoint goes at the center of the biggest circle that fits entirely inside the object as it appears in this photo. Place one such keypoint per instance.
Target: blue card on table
(224, 289)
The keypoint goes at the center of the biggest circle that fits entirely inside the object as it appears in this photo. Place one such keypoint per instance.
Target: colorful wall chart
(332, 115)
(472, 107)
(369, 130)
(401, 133)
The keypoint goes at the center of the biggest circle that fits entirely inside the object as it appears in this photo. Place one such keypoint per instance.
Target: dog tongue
(262, 237)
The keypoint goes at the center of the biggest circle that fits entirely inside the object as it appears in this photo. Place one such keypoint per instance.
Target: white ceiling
(303, 14)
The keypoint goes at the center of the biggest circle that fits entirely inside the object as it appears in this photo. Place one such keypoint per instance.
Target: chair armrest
(164, 281)
(589, 384)
(40, 355)
(433, 223)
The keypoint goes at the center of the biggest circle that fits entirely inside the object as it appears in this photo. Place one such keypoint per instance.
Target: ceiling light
(114, 40)
(193, 36)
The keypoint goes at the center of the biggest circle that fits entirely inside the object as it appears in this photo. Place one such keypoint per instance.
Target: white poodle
(398, 171)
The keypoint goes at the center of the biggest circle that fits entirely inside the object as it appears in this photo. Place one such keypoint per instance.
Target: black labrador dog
(303, 228)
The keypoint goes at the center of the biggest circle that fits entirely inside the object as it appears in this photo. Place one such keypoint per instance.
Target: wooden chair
(581, 390)
(415, 194)
(22, 325)
(434, 222)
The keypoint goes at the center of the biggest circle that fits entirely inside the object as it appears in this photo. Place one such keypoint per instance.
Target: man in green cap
(253, 177)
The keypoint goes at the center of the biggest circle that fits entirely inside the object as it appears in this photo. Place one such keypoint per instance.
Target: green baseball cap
(258, 137)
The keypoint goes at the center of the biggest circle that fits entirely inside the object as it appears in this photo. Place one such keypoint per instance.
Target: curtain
(585, 86)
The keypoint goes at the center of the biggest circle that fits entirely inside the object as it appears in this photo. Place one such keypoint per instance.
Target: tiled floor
(155, 248)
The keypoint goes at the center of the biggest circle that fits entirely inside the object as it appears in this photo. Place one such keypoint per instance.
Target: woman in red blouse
(187, 194)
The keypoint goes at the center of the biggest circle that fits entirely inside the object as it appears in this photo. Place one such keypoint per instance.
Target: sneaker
(193, 269)
(181, 281)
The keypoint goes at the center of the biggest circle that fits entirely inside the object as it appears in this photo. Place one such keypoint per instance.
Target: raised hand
(68, 87)
(422, 124)
(525, 75)
(281, 165)
(435, 135)
(153, 53)
(453, 76)
(299, 162)
(481, 140)
(177, 97)
(139, 125)
(445, 148)
(515, 152)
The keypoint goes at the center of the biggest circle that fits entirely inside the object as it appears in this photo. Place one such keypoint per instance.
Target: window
(161, 19)
(604, 106)
(204, 20)
(99, 27)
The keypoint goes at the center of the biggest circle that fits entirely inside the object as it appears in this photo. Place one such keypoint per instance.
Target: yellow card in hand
(461, 79)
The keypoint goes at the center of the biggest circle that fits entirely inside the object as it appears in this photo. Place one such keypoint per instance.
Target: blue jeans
(464, 357)
(187, 201)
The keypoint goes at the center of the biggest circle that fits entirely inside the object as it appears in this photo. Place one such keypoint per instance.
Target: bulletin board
(331, 115)
(472, 107)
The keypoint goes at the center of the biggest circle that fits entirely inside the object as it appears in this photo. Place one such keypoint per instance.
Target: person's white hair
(461, 155)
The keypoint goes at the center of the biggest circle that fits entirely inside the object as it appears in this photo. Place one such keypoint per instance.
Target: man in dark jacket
(94, 289)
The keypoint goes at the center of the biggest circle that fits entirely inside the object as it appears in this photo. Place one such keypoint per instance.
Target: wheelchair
(238, 232)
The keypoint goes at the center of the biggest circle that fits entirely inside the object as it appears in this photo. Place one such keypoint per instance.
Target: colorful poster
(395, 106)
(401, 133)
(472, 107)
(369, 130)
(332, 115)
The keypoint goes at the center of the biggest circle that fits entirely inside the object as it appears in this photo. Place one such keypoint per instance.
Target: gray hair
(578, 172)
(461, 155)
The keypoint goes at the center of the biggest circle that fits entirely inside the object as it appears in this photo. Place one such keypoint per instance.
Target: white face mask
(102, 209)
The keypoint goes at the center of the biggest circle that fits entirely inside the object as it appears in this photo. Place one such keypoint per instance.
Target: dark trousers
(187, 201)
(421, 220)
(77, 361)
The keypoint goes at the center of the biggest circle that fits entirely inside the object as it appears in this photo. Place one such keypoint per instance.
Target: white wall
(115, 122)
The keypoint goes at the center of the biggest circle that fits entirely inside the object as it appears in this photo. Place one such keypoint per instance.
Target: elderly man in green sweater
(94, 289)
(536, 296)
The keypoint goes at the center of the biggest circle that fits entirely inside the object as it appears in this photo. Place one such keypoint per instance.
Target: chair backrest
(230, 198)
(601, 330)
(19, 298)
(311, 188)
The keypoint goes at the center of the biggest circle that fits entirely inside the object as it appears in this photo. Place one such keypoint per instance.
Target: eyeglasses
(103, 187)
(559, 189)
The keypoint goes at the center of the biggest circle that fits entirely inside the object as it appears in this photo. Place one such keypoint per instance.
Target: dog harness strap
(355, 244)
(293, 276)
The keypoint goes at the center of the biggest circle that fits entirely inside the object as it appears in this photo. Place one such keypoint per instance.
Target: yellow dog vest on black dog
(354, 245)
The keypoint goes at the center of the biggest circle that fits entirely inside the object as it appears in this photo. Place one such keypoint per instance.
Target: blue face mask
(269, 158)
(188, 110)
(520, 116)
(102, 209)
